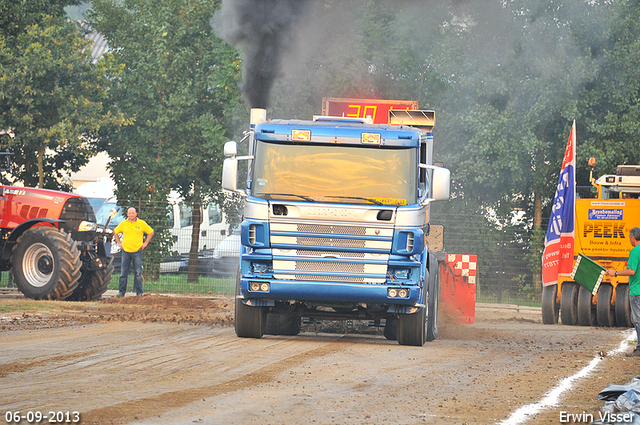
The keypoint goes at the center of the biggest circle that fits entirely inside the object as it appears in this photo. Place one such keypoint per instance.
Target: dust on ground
(161, 359)
(29, 314)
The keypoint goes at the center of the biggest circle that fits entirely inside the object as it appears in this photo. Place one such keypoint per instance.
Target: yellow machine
(602, 235)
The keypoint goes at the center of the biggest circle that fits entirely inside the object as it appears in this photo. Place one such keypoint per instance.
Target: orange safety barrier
(458, 287)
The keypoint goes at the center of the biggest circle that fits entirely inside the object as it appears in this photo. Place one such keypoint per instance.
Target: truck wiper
(306, 198)
(373, 201)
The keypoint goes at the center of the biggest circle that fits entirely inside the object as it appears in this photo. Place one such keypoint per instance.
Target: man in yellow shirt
(133, 243)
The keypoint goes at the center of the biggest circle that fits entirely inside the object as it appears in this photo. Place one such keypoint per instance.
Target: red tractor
(51, 243)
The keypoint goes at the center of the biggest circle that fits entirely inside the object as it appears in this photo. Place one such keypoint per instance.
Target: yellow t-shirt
(132, 234)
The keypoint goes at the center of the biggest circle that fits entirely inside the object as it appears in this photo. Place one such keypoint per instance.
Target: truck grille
(332, 279)
(322, 252)
(310, 253)
(336, 230)
(345, 243)
(330, 267)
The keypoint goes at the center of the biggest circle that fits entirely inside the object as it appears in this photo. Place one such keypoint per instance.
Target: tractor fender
(7, 248)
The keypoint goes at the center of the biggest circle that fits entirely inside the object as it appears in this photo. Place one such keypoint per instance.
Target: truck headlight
(398, 292)
(259, 286)
(87, 226)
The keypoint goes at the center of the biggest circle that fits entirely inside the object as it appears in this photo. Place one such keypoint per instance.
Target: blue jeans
(634, 303)
(127, 259)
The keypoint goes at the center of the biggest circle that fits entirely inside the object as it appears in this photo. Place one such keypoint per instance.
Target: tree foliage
(612, 115)
(51, 92)
(506, 80)
(178, 81)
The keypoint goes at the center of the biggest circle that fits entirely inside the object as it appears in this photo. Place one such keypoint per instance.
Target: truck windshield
(335, 174)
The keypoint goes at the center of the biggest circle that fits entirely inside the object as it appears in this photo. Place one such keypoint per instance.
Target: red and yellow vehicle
(601, 234)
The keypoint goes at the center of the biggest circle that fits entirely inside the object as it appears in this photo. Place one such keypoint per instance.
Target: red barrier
(458, 287)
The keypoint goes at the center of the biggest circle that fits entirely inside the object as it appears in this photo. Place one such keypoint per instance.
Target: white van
(97, 192)
(213, 228)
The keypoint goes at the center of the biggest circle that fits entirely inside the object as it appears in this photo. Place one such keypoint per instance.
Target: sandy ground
(176, 360)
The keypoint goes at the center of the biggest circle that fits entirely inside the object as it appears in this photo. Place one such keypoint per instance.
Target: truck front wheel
(391, 328)
(46, 263)
(250, 322)
(412, 328)
(586, 308)
(623, 309)
(280, 324)
(550, 306)
(604, 306)
(569, 303)
(434, 295)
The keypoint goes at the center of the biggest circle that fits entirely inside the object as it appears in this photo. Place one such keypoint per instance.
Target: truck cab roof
(336, 130)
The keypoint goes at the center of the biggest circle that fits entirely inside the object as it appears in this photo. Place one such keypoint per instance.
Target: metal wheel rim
(32, 265)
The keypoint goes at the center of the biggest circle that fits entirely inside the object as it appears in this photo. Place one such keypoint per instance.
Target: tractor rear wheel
(93, 284)
(605, 310)
(587, 315)
(46, 263)
(550, 306)
(569, 303)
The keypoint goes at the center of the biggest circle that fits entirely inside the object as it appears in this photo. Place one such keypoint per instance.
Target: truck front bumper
(319, 292)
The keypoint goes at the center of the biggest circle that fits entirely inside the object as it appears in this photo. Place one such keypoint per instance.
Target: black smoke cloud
(263, 31)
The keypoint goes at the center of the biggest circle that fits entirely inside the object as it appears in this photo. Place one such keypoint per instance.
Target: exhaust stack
(258, 115)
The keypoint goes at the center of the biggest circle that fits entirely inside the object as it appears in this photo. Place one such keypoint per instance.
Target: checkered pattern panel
(463, 265)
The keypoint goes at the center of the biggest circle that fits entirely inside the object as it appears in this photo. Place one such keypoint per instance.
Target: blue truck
(335, 223)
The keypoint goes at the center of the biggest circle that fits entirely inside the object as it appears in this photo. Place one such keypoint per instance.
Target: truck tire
(280, 324)
(391, 328)
(605, 310)
(550, 306)
(46, 263)
(433, 302)
(623, 309)
(93, 284)
(587, 315)
(569, 303)
(412, 328)
(250, 322)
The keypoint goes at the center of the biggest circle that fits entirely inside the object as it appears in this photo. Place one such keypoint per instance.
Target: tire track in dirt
(23, 366)
(156, 405)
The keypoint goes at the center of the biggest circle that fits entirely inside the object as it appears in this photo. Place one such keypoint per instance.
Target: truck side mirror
(230, 173)
(230, 149)
(441, 183)
(230, 168)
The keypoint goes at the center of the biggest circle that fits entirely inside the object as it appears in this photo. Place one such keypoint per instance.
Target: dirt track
(176, 360)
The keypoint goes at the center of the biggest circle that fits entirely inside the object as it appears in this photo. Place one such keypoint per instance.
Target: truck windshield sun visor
(335, 173)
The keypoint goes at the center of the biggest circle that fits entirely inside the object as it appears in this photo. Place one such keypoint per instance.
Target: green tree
(51, 93)
(612, 116)
(178, 82)
(518, 86)
(17, 15)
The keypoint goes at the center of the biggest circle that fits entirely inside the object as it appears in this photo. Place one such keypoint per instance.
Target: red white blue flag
(557, 259)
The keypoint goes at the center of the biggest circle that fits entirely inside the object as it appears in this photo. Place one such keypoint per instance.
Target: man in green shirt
(133, 243)
(634, 284)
